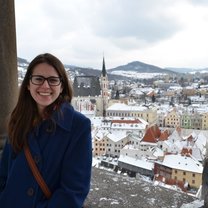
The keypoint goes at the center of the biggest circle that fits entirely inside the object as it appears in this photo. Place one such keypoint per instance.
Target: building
(113, 135)
(204, 117)
(178, 169)
(134, 166)
(172, 119)
(91, 94)
(191, 120)
(149, 114)
(104, 88)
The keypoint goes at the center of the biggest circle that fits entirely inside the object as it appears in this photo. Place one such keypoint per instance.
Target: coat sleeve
(4, 167)
(75, 172)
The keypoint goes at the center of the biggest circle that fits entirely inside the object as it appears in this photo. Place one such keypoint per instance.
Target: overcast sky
(165, 33)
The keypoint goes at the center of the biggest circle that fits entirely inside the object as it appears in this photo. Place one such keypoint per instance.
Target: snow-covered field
(137, 75)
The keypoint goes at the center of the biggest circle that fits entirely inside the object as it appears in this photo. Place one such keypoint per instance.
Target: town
(157, 128)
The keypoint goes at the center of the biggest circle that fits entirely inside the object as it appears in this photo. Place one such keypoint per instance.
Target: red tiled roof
(190, 138)
(152, 134)
(164, 135)
(186, 151)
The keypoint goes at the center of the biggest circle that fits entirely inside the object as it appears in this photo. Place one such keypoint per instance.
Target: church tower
(104, 87)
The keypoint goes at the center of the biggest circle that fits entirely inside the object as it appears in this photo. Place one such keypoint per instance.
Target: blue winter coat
(64, 158)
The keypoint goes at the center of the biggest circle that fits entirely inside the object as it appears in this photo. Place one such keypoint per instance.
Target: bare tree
(8, 63)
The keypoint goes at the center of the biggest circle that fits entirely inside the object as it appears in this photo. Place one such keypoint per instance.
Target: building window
(184, 173)
(193, 181)
(176, 171)
(193, 174)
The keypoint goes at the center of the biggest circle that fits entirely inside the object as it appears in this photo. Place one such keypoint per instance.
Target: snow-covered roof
(125, 123)
(124, 107)
(157, 152)
(136, 162)
(201, 141)
(182, 163)
(196, 152)
(115, 137)
(100, 134)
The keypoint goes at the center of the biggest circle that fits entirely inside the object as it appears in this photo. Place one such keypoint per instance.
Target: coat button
(30, 192)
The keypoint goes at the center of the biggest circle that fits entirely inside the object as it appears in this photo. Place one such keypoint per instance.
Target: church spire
(103, 68)
(104, 87)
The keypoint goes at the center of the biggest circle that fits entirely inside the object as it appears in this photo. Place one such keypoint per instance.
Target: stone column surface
(8, 63)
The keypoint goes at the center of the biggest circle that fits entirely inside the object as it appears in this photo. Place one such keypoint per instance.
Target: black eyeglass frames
(39, 80)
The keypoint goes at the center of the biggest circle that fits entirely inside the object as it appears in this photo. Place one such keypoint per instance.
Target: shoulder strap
(44, 187)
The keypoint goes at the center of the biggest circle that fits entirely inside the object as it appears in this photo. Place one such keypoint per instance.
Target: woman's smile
(41, 91)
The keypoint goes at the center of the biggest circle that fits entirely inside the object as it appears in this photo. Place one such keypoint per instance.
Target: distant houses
(149, 114)
(113, 134)
(149, 151)
(181, 170)
(133, 133)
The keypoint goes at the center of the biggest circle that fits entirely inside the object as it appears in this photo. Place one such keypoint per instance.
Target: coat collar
(64, 116)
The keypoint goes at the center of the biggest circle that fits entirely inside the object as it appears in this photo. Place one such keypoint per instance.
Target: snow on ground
(138, 75)
(194, 204)
(110, 189)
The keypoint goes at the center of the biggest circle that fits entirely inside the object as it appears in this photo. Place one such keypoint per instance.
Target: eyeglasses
(39, 80)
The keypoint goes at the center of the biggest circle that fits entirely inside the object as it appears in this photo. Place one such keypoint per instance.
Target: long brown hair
(25, 112)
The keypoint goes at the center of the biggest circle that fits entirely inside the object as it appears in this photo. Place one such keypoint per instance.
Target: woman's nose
(45, 84)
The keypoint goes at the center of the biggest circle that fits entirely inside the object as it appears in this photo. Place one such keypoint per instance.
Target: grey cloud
(62, 17)
(139, 19)
(147, 29)
(144, 20)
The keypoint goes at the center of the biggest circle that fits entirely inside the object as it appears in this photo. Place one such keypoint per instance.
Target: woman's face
(44, 92)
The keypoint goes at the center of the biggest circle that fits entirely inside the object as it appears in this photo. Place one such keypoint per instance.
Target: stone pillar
(8, 63)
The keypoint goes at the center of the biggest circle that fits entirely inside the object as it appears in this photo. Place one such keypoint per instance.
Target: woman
(58, 137)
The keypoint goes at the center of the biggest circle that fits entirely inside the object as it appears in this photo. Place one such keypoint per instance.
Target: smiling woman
(45, 85)
(58, 138)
